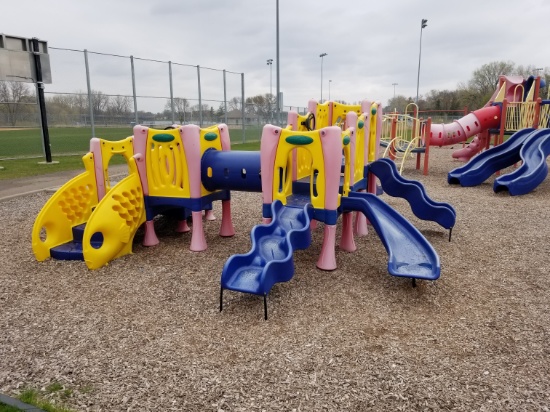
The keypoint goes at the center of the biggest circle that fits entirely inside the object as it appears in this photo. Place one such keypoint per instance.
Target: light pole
(394, 84)
(278, 61)
(270, 64)
(321, 56)
(538, 70)
(423, 24)
(329, 82)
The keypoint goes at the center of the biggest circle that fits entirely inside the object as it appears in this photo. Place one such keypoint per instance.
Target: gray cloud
(370, 45)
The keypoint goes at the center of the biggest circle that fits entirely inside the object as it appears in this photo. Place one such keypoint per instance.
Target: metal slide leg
(450, 233)
(221, 299)
(413, 282)
(265, 306)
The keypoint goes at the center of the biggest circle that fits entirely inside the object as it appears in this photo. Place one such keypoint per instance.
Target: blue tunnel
(231, 170)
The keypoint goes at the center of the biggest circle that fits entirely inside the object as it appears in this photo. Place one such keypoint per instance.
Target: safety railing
(520, 115)
(402, 135)
(544, 115)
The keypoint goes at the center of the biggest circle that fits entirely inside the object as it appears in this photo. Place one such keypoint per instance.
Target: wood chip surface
(145, 332)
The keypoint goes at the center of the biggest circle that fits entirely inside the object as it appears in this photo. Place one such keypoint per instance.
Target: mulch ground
(145, 332)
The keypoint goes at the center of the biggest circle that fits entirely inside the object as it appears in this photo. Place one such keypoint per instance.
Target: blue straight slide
(485, 164)
(422, 206)
(410, 254)
(270, 259)
(534, 169)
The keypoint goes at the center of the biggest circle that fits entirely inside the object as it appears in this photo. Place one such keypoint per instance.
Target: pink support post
(198, 240)
(332, 154)
(95, 148)
(312, 106)
(209, 215)
(361, 224)
(183, 227)
(292, 120)
(226, 228)
(268, 151)
(346, 242)
(313, 224)
(327, 258)
(140, 147)
(150, 238)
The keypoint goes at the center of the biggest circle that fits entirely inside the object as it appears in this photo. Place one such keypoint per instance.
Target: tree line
(472, 94)
(18, 102)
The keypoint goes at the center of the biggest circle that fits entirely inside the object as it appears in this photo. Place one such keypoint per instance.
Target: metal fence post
(134, 89)
(90, 99)
(200, 97)
(224, 98)
(171, 92)
(41, 101)
(243, 106)
(278, 72)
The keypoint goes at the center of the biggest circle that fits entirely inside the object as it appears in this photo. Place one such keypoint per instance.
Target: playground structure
(514, 105)
(404, 135)
(305, 174)
(531, 146)
(527, 119)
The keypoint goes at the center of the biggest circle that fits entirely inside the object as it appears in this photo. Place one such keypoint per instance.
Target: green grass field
(21, 150)
(63, 140)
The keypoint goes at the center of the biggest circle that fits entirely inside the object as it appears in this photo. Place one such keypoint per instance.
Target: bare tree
(12, 97)
(259, 105)
(398, 103)
(181, 108)
(119, 105)
(60, 107)
(485, 79)
(443, 100)
(196, 109)
(235, 103)
(100, 101)
(79, 102)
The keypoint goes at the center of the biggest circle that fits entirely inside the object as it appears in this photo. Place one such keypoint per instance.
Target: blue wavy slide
(485, 164)
(270, 259)
(410, 254)
(534, 169)
(414, 192)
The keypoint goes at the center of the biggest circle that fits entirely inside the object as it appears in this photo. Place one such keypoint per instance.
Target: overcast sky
(369, 44)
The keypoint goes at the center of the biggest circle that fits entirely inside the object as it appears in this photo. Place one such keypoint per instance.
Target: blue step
(68, 251)
(73, 250)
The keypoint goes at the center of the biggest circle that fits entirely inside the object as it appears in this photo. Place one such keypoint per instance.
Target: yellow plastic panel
(359, 148)
(321, 119)
(210, 139)
(109, 149)
(167, 173)
(499, 98)
(302, 122)
(347, 162)
(303, 163)
(372, 133)
(309, 141)
(339, 112)
(117, 217)
(70, 206)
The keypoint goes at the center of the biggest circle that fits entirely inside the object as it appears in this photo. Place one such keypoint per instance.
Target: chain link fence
(104, 95)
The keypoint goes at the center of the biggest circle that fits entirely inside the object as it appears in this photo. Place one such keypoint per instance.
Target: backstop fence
(104, 95)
